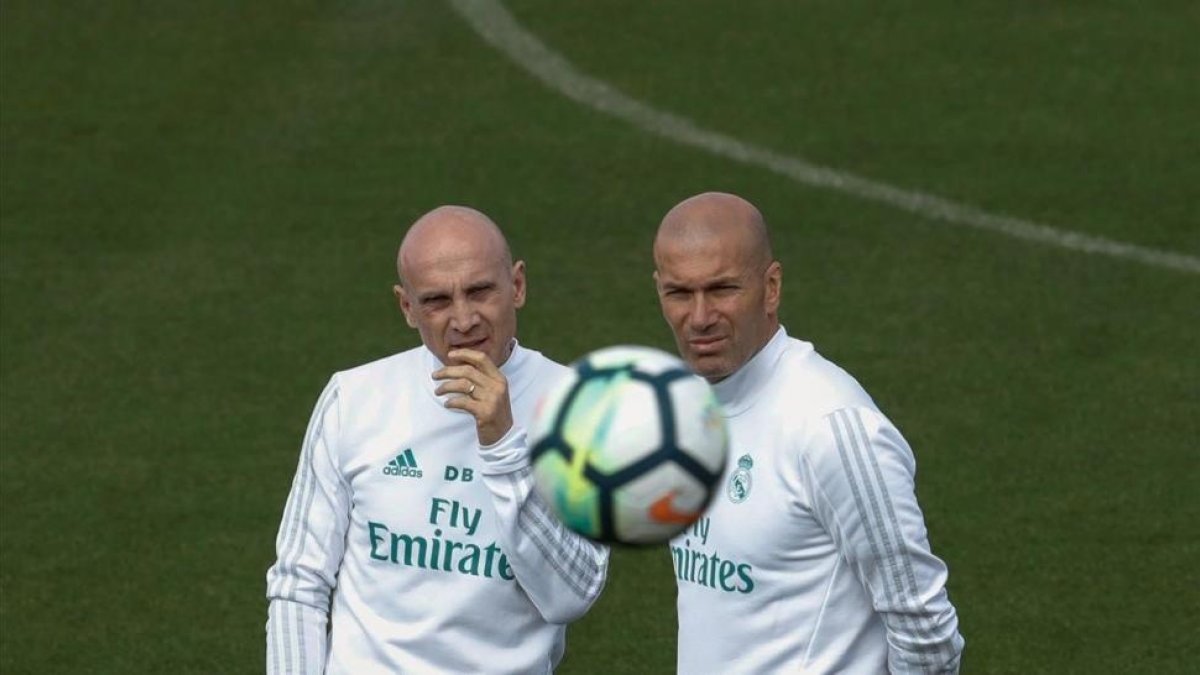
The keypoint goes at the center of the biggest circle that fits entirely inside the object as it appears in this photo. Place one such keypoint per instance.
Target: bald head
(451, 232)
(718, 282)
(718, 219)
(459, 286)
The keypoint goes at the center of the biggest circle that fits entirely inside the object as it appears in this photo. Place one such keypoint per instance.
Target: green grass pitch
(200, 203)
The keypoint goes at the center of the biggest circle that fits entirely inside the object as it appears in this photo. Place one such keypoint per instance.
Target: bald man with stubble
(411, 541)
(814, 556)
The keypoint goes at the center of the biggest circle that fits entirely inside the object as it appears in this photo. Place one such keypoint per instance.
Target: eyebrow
(430, 297)
(441, 295)
(481, 286)
(711, 283)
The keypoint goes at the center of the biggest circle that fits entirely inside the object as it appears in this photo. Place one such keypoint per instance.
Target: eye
(435, 302)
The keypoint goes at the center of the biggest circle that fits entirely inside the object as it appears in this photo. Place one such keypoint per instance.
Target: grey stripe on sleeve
(273, 636)
(850, 451)
(578, 556)
(293, 543)
(929, 628)
(289, 636)
(285, 638)
(844, 453)
(291, 629)
(891, 531)
(544, 530)
(300, 635)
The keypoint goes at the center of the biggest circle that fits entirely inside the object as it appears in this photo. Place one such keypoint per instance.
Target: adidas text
(404, 465)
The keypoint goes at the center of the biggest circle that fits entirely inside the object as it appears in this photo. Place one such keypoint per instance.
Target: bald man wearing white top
(411, 540)
(814, 556)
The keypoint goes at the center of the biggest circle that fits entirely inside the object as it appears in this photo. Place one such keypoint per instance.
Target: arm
(861, 473)
(309, 549)
(561, 571)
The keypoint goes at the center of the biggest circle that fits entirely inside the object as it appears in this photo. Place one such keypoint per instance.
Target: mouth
(706, 345)
(469, 344)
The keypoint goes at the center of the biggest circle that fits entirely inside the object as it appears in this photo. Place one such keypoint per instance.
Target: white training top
(813, 556)
(429, 553)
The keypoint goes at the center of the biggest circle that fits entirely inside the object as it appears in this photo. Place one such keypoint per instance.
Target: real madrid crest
(740, 482)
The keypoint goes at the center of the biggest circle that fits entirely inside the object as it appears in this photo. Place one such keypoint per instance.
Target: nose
(463, 316)
(701, 315)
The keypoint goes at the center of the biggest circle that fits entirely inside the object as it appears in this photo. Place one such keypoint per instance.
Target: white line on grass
(496, 25)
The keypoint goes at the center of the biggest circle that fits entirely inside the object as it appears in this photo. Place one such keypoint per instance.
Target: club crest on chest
(740, 482)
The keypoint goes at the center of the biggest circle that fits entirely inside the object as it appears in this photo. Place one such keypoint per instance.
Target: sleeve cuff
(507, 455)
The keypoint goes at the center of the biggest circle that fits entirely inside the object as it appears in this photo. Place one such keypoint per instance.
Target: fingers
(477, 359)
(482, 389)
(459, 380)
(472, 372)
(470, 383)
(464, 388)
(465, 402)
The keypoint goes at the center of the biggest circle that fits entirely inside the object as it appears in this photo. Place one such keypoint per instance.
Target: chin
(708, 368)
(500, 353)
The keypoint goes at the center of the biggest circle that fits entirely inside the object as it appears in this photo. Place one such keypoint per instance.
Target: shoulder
(807, 385)
(383, 369)
(534, 373)
(386, 379)
(832, 412)
(544, 365)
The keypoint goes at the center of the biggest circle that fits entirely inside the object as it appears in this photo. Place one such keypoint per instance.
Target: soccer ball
(629, 446)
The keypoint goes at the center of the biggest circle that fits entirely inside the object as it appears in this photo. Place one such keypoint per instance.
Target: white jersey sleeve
(309, 548)
(860, 474)
(561, 571)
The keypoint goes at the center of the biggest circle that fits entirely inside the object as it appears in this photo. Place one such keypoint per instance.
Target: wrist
(508, 454)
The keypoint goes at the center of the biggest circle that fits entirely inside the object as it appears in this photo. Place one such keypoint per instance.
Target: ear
(774, 287)
(518, 280)
(405, 304)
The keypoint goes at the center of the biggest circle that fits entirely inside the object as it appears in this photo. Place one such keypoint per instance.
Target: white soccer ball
(629, 447)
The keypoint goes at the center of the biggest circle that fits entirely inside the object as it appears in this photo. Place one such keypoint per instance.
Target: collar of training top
(738, 391)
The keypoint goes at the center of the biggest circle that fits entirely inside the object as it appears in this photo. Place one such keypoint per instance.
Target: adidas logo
(404, 465)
